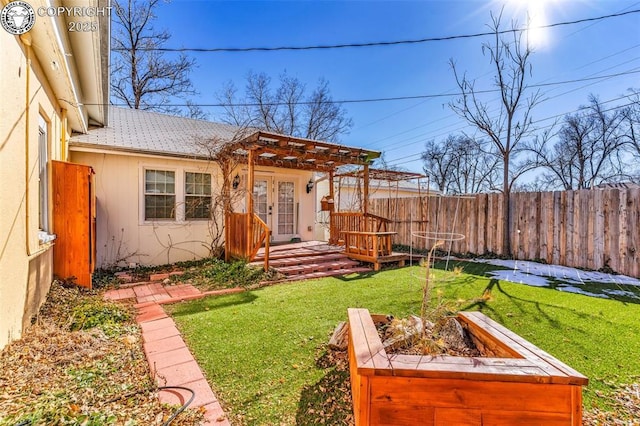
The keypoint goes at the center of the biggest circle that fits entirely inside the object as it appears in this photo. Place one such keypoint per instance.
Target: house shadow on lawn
(328, 401)
(214, 302)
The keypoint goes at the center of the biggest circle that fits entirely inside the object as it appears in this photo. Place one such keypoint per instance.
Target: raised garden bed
(515, 382)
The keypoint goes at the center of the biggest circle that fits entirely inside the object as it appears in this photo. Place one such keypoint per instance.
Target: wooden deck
(372, 247)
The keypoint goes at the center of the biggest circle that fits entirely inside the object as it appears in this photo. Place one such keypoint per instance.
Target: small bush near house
(92, 313)
(206, 274)
(216, 274)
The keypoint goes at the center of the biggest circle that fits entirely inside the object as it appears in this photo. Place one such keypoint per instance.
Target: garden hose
(184, 406)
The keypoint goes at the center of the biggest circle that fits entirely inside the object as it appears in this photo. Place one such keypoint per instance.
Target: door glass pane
(285, 208)
(260, 199)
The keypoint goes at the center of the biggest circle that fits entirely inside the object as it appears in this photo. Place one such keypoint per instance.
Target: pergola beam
(365, 195)
(249, 203)
(289, 152)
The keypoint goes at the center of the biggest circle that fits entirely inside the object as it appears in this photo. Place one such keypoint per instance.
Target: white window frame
(43, 175)
(145, 194)
(187, 195)
(180, 174)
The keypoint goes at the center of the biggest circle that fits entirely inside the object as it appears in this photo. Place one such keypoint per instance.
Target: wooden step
(292, 261)
(317, 267)
(299, 252)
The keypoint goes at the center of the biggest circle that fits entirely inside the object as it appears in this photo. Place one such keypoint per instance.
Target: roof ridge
(114, 108)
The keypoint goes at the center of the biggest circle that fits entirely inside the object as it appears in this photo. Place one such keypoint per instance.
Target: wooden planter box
(517, 383)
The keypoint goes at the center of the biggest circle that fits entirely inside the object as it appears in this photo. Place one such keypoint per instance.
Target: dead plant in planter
(435, 331)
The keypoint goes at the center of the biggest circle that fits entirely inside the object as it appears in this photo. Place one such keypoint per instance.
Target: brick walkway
(169, 358)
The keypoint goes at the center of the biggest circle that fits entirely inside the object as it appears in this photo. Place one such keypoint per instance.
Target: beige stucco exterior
(125, 238)
(35, 73)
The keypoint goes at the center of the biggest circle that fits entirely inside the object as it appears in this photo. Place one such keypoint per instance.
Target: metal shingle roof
(132, 130)
(145, 132)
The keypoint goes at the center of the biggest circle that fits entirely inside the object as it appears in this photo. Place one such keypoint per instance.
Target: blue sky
(401, 128)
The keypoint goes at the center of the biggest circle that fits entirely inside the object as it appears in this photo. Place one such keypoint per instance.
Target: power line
(373, 44)
(378, 120)
(417, 155)
(604, 77)
(423, 139)
(389, 99)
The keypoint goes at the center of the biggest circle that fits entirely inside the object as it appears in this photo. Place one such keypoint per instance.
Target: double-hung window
(159, 195)
(197, 195)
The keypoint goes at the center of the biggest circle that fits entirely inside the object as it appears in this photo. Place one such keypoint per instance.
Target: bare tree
(224, 154)
(460, 165)
(587, 149)
(142, 77)
(631, 122)
(511, 123)
(631, 129)
(287, 109)
(438, 163)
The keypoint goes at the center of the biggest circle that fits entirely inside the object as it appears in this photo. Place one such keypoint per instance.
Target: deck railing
(367, 246)
(245, 234)
(340, 222)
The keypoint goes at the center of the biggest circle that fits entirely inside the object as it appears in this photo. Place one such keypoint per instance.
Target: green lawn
(259, 348)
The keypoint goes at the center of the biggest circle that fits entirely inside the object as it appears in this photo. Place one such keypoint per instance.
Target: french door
(274, 201)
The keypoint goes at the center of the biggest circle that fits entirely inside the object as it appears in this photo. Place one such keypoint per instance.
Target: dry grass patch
(81, 363)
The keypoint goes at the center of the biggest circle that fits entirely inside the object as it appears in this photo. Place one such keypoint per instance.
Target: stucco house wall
(25, 263)
(42, 87)
(136, 141)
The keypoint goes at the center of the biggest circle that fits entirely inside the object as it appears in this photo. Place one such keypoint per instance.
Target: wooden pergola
(368, 238)
(384, 174)
(246, 232)
(387, 175)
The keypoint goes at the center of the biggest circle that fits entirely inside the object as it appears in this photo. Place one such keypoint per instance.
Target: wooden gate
(74, 222)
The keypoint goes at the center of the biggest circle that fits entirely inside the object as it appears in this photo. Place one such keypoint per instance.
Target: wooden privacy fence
(589, 229)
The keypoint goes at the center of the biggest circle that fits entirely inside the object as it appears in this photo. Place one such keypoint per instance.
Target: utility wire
(591, 77)
(376, 43)
(394, 98)
(378, 120)
(460, 129)
(404, 159)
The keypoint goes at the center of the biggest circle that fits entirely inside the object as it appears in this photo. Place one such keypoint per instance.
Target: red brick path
(169, 358)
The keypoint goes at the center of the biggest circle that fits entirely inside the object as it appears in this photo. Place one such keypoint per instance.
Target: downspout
(64, 153)
(26, 40)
